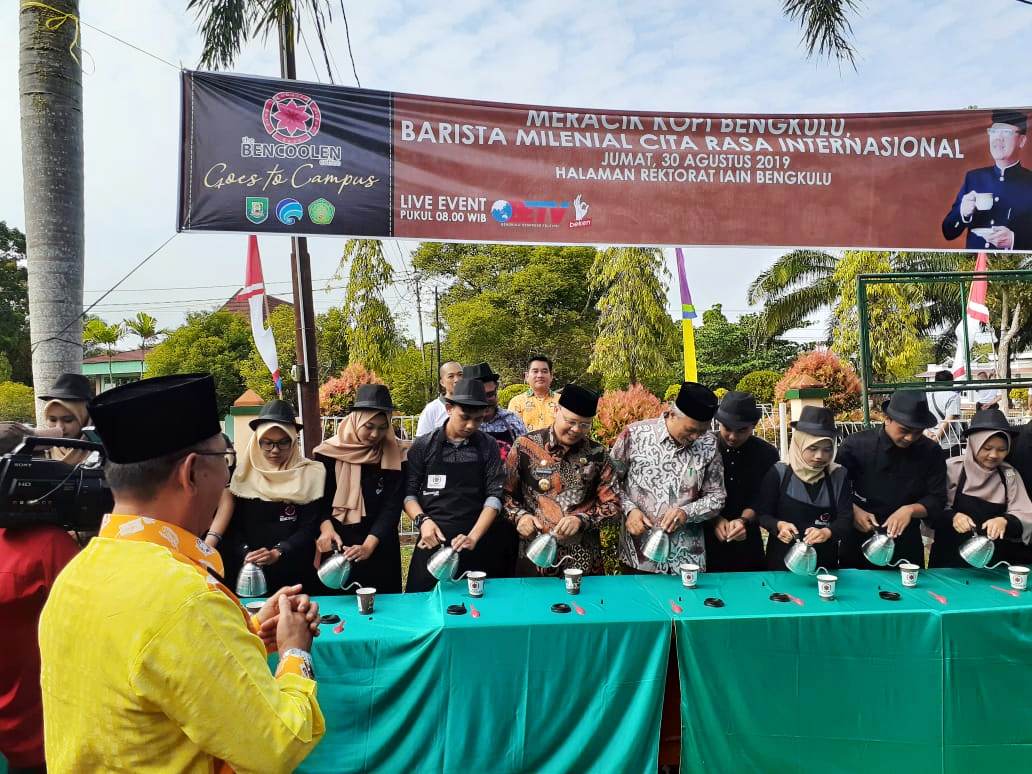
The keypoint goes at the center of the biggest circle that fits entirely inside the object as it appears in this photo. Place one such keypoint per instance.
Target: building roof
(118, 357)
(240, 306)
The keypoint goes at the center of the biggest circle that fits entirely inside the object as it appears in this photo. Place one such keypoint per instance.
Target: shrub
(510, 391)
(827, 370)
(1019, 396)
(720, 392)
(760, 384)
(17, 403)
(337, 394)
(619, 408)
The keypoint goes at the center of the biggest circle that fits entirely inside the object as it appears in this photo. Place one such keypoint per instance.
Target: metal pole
(437, 326)
(865, 349)
(301, 279)
(964, 324)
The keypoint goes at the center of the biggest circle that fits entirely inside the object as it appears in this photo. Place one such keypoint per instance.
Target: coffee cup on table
(689, 574)
(984, 201)
(1019, 577)
(366, 597)
(826, 586)
(908, 574)
(572, 576)
(475, 582)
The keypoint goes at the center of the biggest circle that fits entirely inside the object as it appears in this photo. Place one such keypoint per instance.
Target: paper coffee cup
(366, 597)
(826, 586)
(984, 201)
(1019, 577)
(689, 574)
(572, 577)
(475, 582)
(254, 606)
(908, 574)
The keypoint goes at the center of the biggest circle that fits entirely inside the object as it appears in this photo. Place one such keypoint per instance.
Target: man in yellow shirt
(149, 662)
(536, 406)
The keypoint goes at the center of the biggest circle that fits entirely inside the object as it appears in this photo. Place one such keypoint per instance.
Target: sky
(665, 56)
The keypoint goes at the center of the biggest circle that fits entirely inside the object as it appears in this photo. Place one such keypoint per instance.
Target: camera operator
(66, 411)
(30, 559)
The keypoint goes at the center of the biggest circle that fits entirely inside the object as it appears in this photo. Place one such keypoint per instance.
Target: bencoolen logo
(291, 117)
(320, 212)
(256, 208)
(289, 211)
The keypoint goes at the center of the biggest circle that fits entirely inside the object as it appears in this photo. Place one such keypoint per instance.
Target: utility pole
(301, 277)
(437, 326)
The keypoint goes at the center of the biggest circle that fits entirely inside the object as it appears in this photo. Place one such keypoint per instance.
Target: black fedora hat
(910, 408)
(990, 419)
(738, 410)
(70, 387)
(481, 371)
(278, 411)
(373, 397)
(816, 420)
(469, 393)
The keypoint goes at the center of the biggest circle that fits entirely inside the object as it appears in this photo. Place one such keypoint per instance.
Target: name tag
(435, 482)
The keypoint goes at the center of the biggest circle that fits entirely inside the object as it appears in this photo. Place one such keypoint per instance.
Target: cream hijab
(807, 473)
(78, 409)
(351, 454)
(986, 484)
(296, 480)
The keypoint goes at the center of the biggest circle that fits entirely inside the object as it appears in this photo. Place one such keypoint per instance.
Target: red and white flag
(977, 315)
(254, 292)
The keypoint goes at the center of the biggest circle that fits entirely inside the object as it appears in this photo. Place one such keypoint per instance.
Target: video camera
(35, 490)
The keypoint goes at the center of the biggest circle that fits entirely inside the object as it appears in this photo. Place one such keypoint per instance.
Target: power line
(347, 35)
(131, 45)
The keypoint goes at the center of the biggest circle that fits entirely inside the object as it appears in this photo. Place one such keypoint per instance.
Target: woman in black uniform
(273, 504)
(984, 495)
(364, 489)
(809, 496)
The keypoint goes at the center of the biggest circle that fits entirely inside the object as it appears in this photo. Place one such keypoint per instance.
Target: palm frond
(225, 26)
(792, 309)
(826, 27)
(799, 267)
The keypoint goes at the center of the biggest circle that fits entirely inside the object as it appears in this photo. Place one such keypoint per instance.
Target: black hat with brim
(696, 401)
(278, 411)
(156, 417)
(580, 400)
(70, 387)
(816, 420)
(374, 397)
(910, 408)
(481, 371)
(738, 410)
(990, 419)
(469, 393)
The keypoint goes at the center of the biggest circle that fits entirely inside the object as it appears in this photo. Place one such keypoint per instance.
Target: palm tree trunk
(1008, 330)
(50, 94)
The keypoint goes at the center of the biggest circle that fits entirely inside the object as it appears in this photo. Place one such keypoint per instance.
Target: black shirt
(886, 477)
(744, 469)
(1021, 455)
(480, 449)
(382, 492)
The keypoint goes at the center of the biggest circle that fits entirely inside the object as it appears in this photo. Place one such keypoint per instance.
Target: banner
(301, 158)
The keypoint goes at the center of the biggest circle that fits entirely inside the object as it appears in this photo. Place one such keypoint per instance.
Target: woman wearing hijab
(364, 487)
(272, 505)
(984, 495)
(66, 411)
(808, 498)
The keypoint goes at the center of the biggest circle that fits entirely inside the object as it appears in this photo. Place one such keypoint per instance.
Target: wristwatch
(418, 519)
(281, 547)
(304, 657)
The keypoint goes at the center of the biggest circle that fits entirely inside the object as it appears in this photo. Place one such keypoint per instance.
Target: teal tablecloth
(851, 685)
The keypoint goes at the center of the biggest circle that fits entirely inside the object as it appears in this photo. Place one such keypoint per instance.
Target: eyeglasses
(284, 444)
(229, 455)
(574, 424)
(999, 131)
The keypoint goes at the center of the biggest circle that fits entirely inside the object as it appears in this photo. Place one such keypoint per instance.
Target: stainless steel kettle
(879, 549)
(335, 570)
(251, 580)
(542, 551)
(443, 563)
(657, 546)
(978, 550)
(801, 558)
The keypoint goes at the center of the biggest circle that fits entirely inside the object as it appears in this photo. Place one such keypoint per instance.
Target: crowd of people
(190, 511)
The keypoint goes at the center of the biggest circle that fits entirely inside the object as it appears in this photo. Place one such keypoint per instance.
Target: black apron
(946, 547)
(737, 555)
(455, 507)
(803, 513)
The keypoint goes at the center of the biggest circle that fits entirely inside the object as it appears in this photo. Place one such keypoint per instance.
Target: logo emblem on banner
(501, 211)
(289, 211)
(256, 208)
(291, 117)
(320, 212)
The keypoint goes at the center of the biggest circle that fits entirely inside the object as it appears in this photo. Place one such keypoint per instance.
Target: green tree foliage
(5, 368)
(508, 301)
(726, 351)
(145, 327)
(759, 384)
(210, 342)
(633, 321)
(253, 369)
(406, 376)
(371, 335)
(510, 391)
(17, 403)
(14, 303)
(99, 334)
(331, 331)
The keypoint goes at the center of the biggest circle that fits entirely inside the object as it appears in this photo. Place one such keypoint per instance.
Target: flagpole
(691, 370)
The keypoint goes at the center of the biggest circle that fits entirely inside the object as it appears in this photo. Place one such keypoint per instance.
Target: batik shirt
(547, 480)
(536, 413)
(654, 473)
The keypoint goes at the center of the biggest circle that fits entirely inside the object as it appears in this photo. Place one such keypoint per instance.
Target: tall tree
(727, 351)
(371, 334)
(50, 96)
(14, 304)
(633, 319)
(98, 333)
(144, 326)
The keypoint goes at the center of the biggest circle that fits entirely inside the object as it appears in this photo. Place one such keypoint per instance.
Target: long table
(853, 684)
